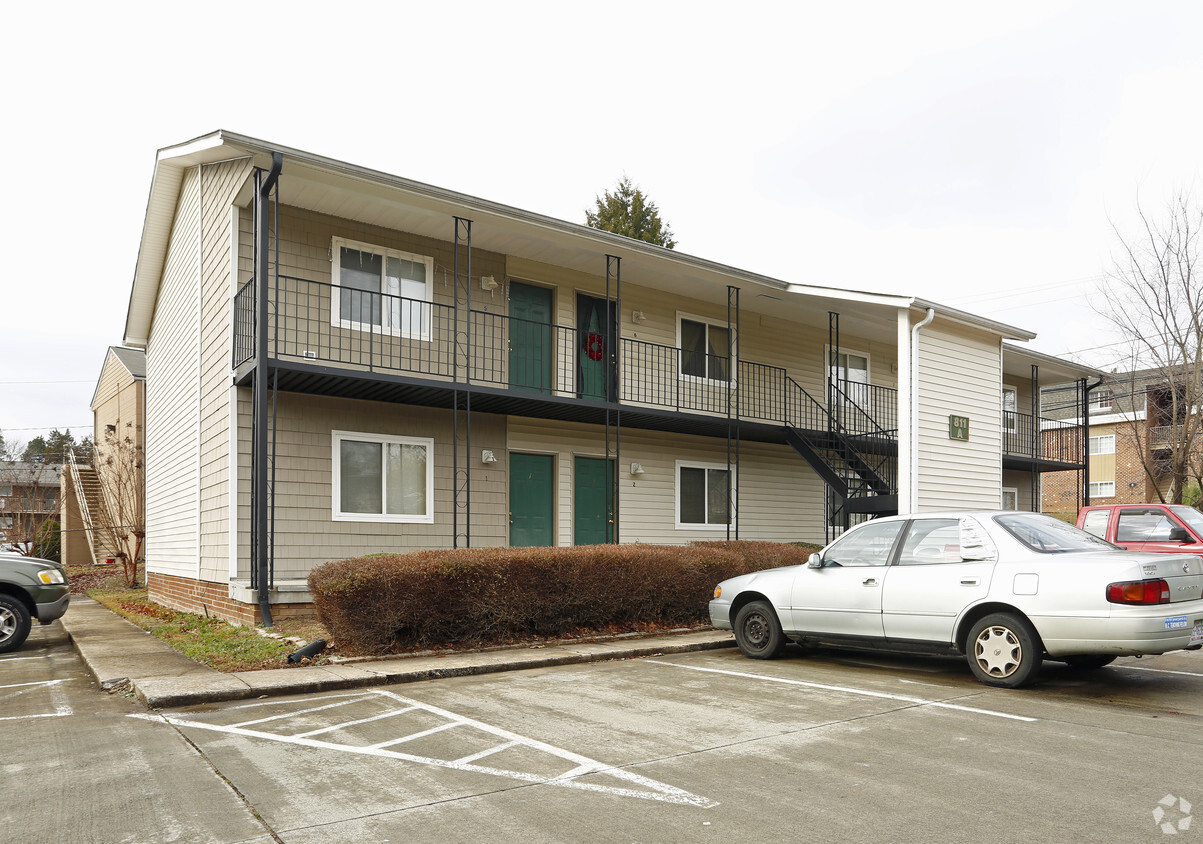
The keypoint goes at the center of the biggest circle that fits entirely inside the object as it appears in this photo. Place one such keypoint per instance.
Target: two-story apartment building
(340, 361)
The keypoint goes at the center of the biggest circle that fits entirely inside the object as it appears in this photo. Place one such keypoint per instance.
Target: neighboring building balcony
(1040, 444)
(334, 340)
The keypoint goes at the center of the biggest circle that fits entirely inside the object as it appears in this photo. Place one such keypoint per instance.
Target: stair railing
(85, 509)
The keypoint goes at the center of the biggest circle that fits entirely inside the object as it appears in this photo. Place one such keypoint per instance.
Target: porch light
(638, 316)
(487, 282)
(487, 456)
(637, 469)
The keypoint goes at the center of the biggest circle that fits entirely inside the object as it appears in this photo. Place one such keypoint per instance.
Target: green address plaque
(958, 428)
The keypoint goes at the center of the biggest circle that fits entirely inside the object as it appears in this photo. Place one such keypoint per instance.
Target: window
(382, 478)
(705, 350)
(6, 490)
(869, 545)
(1010, 498)
(850, 372)
(1102, 489)
(378, 289)
(931, 541)
(1101, 399)
(1143, 526)
(703, 495)
(1104, 444)
(1010, 406)
(1096, 522)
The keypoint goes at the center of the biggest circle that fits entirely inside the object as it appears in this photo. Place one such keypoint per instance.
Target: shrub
(473, 596)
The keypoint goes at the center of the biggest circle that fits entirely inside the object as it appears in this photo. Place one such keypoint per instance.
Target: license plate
(1196, 635)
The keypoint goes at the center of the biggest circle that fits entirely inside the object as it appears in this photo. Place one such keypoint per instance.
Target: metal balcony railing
(374, 332)
(1025, 435)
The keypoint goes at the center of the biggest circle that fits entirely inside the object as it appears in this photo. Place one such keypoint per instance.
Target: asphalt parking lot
(830, 746)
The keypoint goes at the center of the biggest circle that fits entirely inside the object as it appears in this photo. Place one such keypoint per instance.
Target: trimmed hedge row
(473, 596)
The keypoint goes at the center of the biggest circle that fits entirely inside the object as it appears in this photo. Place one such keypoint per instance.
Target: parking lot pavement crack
(228, 782)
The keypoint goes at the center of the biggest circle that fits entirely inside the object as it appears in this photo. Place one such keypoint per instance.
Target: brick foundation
(203, 597)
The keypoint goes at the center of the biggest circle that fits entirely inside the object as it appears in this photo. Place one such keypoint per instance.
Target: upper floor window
(705, 349)
(1104, 444)
(379, 289)
(1101, 398)
(1010, 405)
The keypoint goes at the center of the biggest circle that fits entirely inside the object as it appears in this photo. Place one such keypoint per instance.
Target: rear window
(1047, 535)
(1096, 522)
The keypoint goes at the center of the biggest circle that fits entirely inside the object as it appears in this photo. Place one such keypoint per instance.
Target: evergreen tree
(629, 212)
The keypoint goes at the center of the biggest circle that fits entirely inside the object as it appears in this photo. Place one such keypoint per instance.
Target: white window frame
(1102, 399)
(1098, 489)
(732, 362)
(1013, 423)
(1099, 439)
(337, 514)
(695, 464)
(868, 385)
(386, 314)
(1014, 492)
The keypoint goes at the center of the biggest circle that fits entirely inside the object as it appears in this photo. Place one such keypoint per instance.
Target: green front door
(592, 502)
(532, 504)
(595, 358)
(530, 337)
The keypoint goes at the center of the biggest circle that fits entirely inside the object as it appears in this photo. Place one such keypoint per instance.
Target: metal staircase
(91, 504)
(846, 447)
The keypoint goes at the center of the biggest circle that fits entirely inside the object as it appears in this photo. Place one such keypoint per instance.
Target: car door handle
(970, 581)
(870, 581)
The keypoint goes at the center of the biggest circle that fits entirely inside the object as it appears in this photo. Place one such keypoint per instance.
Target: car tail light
(1139, 592)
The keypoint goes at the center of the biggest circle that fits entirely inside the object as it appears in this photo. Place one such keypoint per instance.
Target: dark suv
(29, 588)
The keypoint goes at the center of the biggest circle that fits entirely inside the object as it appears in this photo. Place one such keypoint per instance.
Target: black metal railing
(1025, 435)
(367, 331)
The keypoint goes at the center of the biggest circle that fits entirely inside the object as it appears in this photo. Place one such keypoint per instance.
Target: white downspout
(914, 408)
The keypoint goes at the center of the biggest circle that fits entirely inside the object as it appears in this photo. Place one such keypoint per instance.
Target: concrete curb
(117, 652)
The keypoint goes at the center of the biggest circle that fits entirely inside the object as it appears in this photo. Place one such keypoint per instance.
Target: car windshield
(1191, 516)
(1047, 535)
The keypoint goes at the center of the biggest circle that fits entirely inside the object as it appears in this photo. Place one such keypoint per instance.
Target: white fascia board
(1007, 332)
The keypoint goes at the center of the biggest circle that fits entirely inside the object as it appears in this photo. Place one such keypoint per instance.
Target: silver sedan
(1006, 589)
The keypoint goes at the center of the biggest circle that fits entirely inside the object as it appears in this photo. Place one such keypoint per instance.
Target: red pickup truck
(1163, 528)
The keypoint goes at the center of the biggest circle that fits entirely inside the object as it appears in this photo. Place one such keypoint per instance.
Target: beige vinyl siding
(219, 185)
(780, 497)
(172, 367)
(118, 402)
(306, 533)
(1021, 482)
(959, 375)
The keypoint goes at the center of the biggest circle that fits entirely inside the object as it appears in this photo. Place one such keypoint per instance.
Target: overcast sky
(973, 154)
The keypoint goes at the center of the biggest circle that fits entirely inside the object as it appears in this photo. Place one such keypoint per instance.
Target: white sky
(973, 154)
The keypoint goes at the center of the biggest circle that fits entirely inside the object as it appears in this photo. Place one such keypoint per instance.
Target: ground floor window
(382, 478)
(1010, 498)
(703, 495)
(1102, 489)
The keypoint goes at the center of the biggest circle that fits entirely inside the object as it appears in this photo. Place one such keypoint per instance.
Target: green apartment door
(530, 338)
(595, 361)
(592, 502)
(532, 502)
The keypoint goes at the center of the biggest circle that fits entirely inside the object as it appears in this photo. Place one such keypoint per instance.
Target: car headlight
(718, 591)
(50, 576)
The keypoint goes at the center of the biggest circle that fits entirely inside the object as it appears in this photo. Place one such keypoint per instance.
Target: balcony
(1033, 442)
(418, 351)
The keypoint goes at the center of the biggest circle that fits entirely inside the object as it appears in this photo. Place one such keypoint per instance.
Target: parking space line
(1159, 670)
(633, 785)
(418, 735)
(848, 690)
(61, 707)
(346, 724)
(278, 716)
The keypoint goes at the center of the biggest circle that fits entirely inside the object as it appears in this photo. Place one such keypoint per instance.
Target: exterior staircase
(91, 500)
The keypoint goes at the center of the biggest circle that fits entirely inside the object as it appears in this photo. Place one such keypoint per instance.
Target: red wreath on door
(595, 346)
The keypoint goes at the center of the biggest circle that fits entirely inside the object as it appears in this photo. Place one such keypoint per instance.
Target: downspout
(259, 458)
(914, 409)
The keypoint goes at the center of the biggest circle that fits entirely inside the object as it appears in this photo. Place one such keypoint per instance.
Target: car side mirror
(1178, 534)
(815, 561)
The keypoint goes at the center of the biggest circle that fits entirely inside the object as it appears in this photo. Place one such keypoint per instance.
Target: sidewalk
(117, 651)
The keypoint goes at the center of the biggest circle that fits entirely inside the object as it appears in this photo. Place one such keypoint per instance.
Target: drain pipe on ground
(914, 408)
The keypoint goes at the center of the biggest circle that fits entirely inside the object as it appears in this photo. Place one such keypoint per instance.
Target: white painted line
(414, 736)
(1159, 670)
(18, 658)
(848, 690)
(278, 701)
(582, 765)
(282, 715)
(38, 683)
(346, 724)
(61, 707)
(472, 758)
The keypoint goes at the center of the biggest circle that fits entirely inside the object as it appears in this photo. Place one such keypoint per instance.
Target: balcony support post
(261, 508)
(733, 409)
(613, 406)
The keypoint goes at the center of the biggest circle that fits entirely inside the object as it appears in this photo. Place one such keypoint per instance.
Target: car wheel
(757, 631)
(1004, 650)
(14, 623)
(1088, 662)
